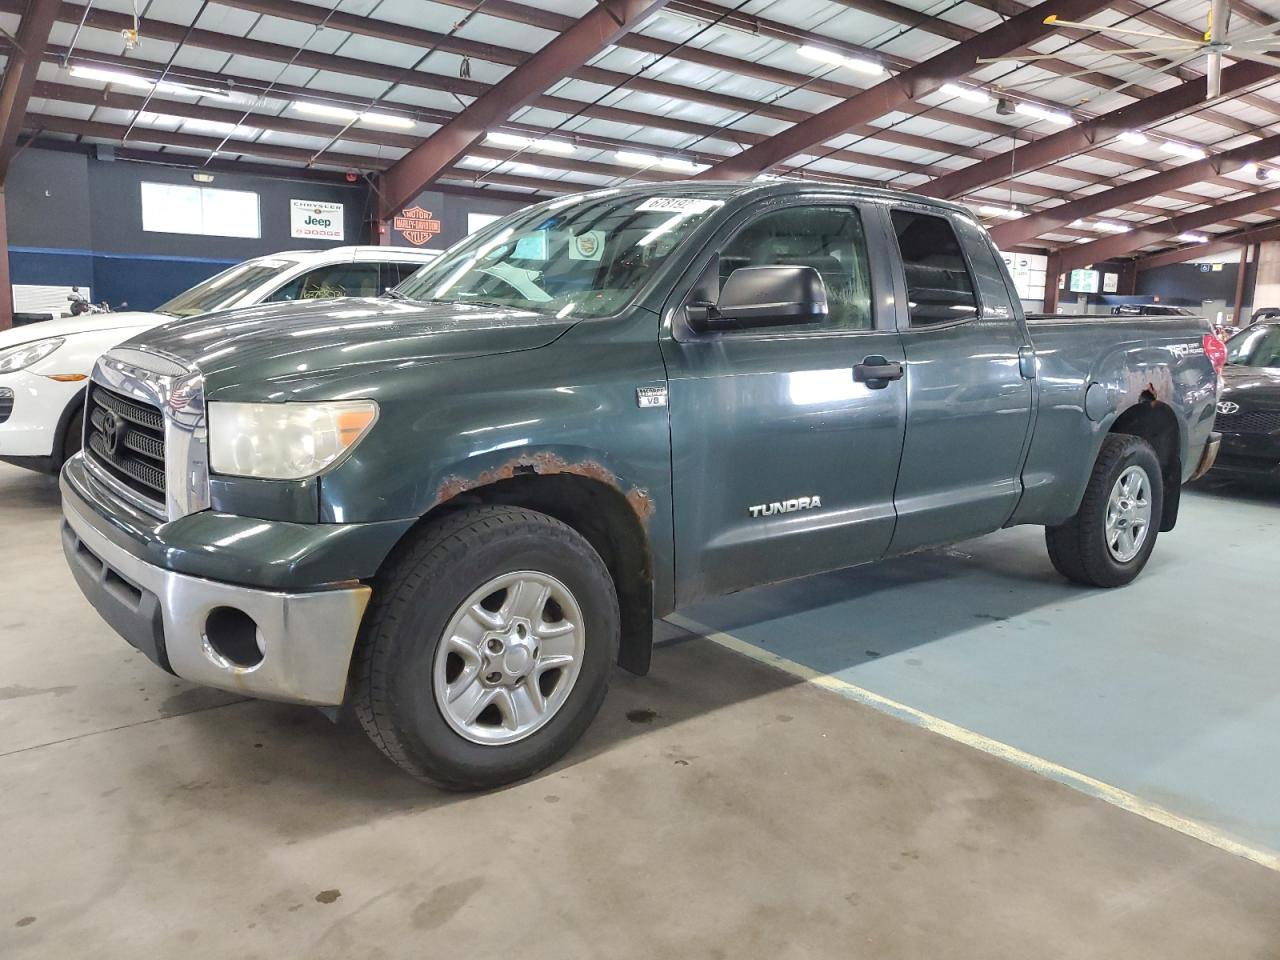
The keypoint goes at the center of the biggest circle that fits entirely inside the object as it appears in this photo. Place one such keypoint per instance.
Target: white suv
(44, 365)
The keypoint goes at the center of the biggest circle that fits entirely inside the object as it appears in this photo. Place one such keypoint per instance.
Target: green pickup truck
(453, 509)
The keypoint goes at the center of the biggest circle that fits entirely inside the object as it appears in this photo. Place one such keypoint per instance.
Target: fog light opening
(234, 636)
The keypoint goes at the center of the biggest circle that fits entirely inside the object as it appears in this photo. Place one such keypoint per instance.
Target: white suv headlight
(284, 441)
(24, 355)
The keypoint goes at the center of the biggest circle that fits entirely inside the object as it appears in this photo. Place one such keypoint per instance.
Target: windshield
(1258, 346)
(224, 289)
(586, 255)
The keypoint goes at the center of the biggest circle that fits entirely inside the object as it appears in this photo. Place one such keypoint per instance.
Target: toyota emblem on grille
(1228, 407)
(112, 431)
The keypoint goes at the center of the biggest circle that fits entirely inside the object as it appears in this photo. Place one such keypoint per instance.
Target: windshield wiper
(396, 294)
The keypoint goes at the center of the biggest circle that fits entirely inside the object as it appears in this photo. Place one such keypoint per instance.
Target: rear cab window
(940, 288)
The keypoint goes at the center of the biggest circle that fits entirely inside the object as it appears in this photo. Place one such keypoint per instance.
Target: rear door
(968, 404)
(783, 463)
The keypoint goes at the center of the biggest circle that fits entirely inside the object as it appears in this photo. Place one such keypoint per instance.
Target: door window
(939, 288)
(337, 280)
(829, 239)
(393, 274)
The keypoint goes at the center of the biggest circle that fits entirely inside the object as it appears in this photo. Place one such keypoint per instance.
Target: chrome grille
(1249, 421)
(126, 437)
(6, 404)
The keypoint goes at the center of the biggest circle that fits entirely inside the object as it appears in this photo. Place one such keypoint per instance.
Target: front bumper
(31, 429)
(304, 638)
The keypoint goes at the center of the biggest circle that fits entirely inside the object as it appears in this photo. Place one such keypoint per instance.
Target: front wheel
(73, 438)
(487, 649)
(1111, 536)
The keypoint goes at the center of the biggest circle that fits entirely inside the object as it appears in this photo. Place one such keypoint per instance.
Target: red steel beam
(1123, 244)
(562, 56)
(15, 93)
(893, 94)
(1262, 233)
(1085, 136)
(310, 13)
(20, 74)
(1043, 221)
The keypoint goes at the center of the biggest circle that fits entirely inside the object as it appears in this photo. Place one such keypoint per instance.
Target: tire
(1081, 549)
(73, 438)
(406, 670)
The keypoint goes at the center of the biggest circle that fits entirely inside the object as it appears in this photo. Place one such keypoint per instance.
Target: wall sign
(316, 220)
(417, 224)
(1110, 282)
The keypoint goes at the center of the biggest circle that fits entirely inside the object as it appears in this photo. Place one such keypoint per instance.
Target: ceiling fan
(1252, 43)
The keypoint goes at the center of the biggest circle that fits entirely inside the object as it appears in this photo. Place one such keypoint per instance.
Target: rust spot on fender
(546, 464)
(1158, 384)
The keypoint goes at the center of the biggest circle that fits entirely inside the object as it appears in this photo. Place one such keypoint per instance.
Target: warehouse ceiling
(883, 92)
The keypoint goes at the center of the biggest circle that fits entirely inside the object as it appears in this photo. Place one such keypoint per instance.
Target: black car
(1249, 408)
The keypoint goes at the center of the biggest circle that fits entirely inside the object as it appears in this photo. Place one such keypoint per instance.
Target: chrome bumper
(1208, 457)
(305, 639)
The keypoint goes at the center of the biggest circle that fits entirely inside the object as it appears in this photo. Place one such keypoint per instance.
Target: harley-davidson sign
(416, 225)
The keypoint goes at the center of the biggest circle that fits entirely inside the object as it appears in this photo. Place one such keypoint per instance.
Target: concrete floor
(718, 808)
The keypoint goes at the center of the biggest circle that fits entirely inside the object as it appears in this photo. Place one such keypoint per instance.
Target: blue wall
(77, 220)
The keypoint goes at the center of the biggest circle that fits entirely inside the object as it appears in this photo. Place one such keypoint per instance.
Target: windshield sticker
(685, 205)
(587, 246)
(532, 246)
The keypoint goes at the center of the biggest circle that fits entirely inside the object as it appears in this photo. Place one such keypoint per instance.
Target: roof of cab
(772, 187)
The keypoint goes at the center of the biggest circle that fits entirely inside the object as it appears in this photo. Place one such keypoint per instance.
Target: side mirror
(764, 297)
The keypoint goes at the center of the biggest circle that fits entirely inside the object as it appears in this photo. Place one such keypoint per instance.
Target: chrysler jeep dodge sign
(315, 220)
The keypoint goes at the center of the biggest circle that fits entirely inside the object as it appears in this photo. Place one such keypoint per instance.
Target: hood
(1251, 383)
(272, 345)
(87, 323)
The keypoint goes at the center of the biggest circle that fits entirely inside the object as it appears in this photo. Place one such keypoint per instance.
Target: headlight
(21, 357)
(284, 441)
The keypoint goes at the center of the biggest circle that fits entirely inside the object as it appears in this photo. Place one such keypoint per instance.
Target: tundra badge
(785, 506)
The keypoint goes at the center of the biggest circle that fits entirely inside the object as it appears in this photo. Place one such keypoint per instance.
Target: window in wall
(339, 280)
(939, 288)
(829, 239)
(199, 211)
(476, 221)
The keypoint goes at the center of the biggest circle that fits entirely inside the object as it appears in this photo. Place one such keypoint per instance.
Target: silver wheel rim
(1129, 514)
(509, 658)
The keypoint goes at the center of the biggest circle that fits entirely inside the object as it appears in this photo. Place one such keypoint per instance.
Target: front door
(968, 405)
(783, 463)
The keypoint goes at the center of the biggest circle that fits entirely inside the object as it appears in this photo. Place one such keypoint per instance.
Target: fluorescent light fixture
(325, 110)
(529, 143)
(112, 76)
(1193, 238)
(1132, 136)
(1043, 113)
(122, 79)
(823, 55)
(1108, 226)
(964, 93)
(990, 210)
(219, 128)
(388, 120)
(674, 164)
(1183, 150)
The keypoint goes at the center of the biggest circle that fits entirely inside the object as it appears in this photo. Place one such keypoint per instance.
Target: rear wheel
(1111, 536)
(487, 650)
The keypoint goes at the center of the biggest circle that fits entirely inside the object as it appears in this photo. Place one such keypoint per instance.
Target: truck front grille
(1249, 421)
(6, 404)
(125, 437)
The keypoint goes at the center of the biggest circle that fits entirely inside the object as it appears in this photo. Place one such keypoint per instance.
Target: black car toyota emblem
(112, 431)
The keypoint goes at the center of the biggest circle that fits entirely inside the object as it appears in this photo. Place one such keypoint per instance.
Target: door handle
(876, 372)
